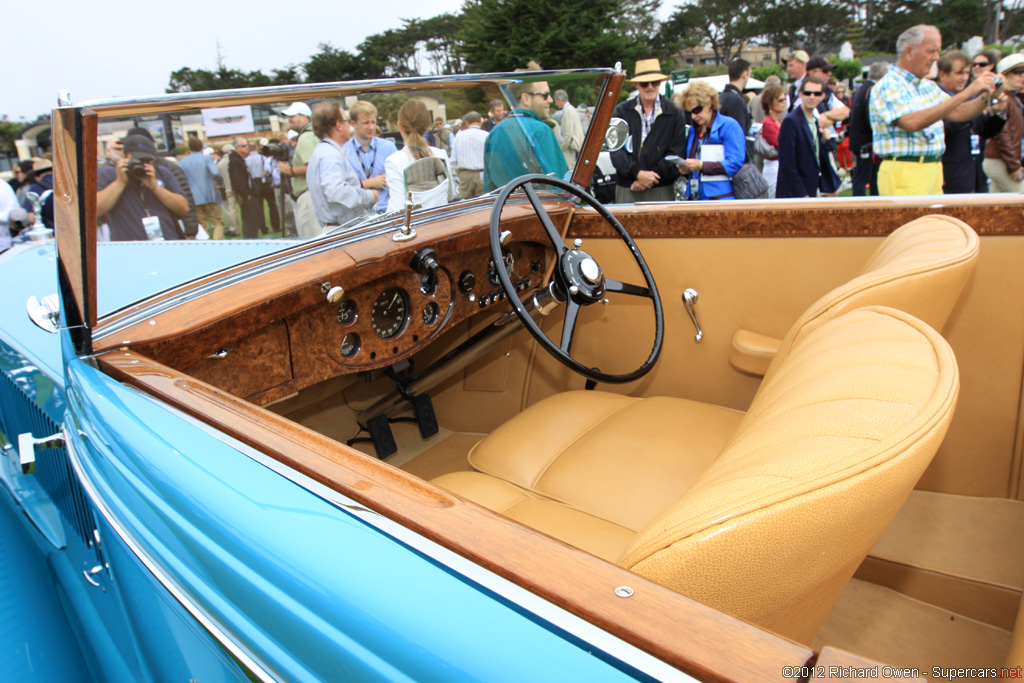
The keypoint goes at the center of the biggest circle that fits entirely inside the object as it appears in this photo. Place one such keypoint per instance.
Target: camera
(999, 82)
(279, 152)
(136, 170)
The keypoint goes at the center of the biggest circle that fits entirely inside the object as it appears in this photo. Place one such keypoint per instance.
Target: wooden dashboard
(289, 327)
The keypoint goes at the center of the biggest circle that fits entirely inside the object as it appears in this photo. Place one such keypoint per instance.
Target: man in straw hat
(656, 130)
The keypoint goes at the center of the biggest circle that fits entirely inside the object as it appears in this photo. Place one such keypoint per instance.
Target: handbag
(748, 183)
(765, 148)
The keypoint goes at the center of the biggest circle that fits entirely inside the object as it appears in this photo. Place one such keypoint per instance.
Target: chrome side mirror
(615, 136)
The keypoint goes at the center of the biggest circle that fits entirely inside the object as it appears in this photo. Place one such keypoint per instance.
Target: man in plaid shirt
(907, 112)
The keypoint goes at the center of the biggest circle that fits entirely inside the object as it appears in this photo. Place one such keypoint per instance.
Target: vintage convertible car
(345, 459)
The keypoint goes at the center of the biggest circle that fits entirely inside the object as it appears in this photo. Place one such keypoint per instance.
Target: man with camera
(140, 200)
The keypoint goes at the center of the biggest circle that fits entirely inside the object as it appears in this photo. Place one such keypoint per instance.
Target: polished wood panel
(256, 364)
(822, 217)
(584, 171)
(695, 638)
(74, 205)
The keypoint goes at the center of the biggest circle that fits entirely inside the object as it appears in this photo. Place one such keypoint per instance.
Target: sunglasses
(541, 94)
(780, 99)
(1017, 72)
(977, 64)
(649, 84)
(696, 110)
(812, 93)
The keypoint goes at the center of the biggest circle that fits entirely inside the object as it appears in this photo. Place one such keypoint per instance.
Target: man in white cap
(907, 112)
(796, 67)
(1002, 153)
(656, 129)
(299, 116)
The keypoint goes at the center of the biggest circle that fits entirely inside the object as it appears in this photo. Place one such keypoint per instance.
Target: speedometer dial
(390, 313)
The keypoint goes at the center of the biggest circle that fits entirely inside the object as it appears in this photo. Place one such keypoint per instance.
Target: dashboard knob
(467, 281)
(334, 294)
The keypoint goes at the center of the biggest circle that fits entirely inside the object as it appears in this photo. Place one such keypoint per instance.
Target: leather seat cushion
(618, 458)
(600, 537)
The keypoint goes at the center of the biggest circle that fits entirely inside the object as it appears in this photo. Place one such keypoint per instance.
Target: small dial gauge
(347, 312)
(430, 314)
(349, 345)
(390, 313)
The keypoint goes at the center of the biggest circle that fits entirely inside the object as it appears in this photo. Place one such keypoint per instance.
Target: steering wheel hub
(579, 270)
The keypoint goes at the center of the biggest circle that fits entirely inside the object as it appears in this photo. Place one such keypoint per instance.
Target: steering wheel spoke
(578, 278)
(572, 310)
(611, 285)
(545, 220)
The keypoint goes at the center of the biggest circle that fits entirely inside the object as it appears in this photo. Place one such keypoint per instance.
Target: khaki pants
(909, 178)
(230, 206)
(211, 213)
(1002, 181)
(471, 183)
(305, 217)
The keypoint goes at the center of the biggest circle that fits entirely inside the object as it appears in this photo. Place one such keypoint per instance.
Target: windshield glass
(190, 176)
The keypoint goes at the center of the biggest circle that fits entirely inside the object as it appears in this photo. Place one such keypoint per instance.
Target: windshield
(265, 174)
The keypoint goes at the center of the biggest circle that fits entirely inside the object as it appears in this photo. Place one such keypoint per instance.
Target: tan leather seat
(765, 515)
(921, 268)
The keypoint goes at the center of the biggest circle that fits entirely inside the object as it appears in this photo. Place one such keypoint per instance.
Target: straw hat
(648, 70)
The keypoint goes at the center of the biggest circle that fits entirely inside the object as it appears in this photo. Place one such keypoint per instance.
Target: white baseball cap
(298, 108)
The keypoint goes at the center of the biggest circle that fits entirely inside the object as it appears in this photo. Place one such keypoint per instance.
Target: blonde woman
(430, 183)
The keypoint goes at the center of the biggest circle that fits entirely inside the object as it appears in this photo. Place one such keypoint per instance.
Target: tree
(9, 132)
(722, 24)
(194, 80)
(501, 35)
(330, 64)
(439, 38)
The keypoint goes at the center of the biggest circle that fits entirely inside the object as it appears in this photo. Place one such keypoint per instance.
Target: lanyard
(373, 160)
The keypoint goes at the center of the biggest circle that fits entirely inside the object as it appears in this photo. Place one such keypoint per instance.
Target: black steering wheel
(577, 279)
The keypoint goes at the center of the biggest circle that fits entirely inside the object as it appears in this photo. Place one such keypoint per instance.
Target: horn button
(583, 278)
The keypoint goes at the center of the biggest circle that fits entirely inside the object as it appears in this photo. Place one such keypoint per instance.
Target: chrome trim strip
(248, 661)
(547, 611)
(319, 90)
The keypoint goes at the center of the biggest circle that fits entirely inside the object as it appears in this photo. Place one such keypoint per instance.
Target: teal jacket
(522, 143)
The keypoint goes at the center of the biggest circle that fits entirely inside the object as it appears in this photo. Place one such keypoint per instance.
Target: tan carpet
(449, 455)
(887, 626)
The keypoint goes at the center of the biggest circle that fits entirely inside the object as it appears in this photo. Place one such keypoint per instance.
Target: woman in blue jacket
(715, 145)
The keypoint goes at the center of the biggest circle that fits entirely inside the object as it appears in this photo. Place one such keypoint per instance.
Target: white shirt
(394, 171)
(468, 149)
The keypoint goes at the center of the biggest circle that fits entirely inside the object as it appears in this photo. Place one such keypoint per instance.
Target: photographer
(140, 201)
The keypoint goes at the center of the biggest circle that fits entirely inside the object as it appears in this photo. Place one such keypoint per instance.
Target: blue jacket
(727, 133)
(800, 174)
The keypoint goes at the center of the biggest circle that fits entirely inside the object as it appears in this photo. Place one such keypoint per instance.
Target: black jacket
(860, 123)
(667, 136)
(961, 170)
(732, 103)
(239, 174)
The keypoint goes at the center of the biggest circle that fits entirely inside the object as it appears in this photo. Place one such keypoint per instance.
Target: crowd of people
(930, 123)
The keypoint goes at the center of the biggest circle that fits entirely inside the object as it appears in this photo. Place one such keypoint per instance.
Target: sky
(116, 48)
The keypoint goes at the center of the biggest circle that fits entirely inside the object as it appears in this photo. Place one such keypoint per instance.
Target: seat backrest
(816, 470)
(921, 268)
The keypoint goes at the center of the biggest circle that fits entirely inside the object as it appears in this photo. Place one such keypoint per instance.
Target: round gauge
(390, 313)
(347, 312)
(430, 314)
(349, 345)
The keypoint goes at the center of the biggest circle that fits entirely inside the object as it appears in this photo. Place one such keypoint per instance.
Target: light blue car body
(154, 548)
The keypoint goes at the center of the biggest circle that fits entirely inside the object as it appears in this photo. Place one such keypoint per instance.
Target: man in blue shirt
(367, 152)
(525, 141)
(204, 178)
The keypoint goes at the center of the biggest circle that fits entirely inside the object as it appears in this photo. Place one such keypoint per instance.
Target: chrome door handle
(690, 301)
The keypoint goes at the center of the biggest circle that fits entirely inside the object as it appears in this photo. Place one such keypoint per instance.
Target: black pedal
(589, 386)
(425, 417)
(381, 436)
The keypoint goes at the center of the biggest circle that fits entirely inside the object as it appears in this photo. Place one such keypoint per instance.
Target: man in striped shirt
(907, 112)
